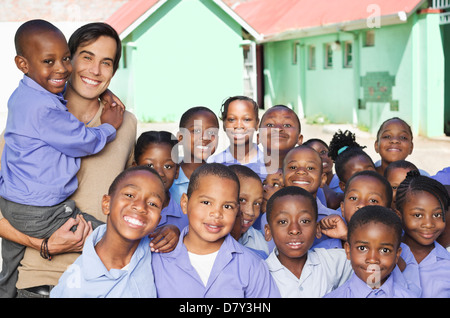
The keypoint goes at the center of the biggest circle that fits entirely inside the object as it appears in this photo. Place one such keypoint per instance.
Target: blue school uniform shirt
(179, 186)
(322, 212)
(43, 146)
(443, 176)
(172, 214)
(432, 274)
(255, 240)
(87, 277)
(256, 164)
(237, 273)
(323, 271)
(393, 287)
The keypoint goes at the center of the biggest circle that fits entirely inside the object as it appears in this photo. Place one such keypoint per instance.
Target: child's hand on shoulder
(112, 115)
(164, 239)
(334, 226)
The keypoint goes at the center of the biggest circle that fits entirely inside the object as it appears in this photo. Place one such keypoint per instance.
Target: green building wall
(185, 54)
(402, 75)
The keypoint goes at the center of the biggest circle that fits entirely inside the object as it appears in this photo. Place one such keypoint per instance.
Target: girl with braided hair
(423, 202)
(348, 156)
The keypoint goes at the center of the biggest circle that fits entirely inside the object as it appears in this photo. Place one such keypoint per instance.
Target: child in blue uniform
(208, 261)
(116, 259)
(373, 247)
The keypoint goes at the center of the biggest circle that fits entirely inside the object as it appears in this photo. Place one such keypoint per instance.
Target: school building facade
(348, 61)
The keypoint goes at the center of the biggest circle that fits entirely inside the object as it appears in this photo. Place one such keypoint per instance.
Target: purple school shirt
(237, 273)
(172, 214)
(354, 287)
(257, 164)
(43, 143)
(432, 274)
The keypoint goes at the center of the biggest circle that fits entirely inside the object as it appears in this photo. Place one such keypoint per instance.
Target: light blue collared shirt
(237, 273)
(87, 277)
(324, 271)
(254, 239)
(356, 288)
(43, 146)
(179, 186)
(257, 164)
(432, 274)
(172, 214)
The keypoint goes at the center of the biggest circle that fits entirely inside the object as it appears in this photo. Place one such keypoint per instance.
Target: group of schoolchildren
(262, 219)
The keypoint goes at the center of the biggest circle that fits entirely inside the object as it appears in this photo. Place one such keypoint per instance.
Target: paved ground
(429, 154)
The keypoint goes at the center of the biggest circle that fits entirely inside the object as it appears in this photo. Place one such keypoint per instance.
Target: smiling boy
(116, 259)
(208, 261)
(44, 144)
(373, 247)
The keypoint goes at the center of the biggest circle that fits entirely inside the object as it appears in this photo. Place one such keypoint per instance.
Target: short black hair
(286, 108)
(303, 146)
(313, 140)
(229, 100)
(391, 119)
(290, 191)
(244, 171)
(375, 175)
(31, 27)
(375, 214)
(211, 169)
(113, 187)
(155, 137)
(403, 164)
(187, 115)
(89, 33)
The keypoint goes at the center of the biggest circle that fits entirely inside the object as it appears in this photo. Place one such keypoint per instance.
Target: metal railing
(440, 4)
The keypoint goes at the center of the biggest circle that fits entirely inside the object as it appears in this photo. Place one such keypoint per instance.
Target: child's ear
(376, 146)
(323, 180)
(318, 231)
(134, 164)
(267, 232)
(179, 136)
(21, 63)
(300, 140)
(106, 201)
(342, 209)
(342, 186)
(183, 203)
(347, 249)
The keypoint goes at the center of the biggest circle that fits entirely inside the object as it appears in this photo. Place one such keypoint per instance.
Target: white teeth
(89, 81)
(133, 221)
(300, 182)
(295, 243)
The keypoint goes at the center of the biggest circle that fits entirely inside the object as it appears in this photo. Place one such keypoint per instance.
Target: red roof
(275, 16)
(270, 17)
(127, 14)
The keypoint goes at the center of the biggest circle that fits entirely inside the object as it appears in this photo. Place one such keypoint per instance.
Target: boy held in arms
(298, 270)
(43, 144)
(373, 247)
(116, 259)
(208, 261)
